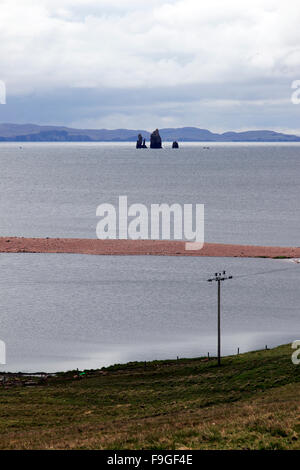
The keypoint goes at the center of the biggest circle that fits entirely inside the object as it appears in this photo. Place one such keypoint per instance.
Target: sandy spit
(139, 247)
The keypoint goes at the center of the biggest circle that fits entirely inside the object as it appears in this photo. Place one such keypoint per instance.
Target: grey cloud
(182, 61)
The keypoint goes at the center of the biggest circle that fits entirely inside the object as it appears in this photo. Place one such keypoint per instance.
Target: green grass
(250, 402)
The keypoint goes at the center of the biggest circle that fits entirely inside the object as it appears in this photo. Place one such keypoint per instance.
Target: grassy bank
(251, 402)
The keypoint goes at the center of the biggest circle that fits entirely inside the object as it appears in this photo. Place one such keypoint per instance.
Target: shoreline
(128, 364)
(87, 246)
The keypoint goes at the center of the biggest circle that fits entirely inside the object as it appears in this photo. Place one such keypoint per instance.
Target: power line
(221, 276)
(263, 272)
(140, 281)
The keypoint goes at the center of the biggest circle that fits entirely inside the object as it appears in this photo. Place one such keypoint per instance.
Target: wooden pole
(219, 322)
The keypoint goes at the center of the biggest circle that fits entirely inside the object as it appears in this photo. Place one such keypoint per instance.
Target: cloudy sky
(222, 65)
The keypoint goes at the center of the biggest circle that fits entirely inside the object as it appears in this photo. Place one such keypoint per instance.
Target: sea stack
(175, 145)
(139, 143)
(155, 140)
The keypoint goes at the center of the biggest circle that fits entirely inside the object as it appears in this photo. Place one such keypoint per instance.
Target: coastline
(136, 362)
(140, 247)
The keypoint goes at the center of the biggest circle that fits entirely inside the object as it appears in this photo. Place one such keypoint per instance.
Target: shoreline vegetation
(140, 247)
(250, 402)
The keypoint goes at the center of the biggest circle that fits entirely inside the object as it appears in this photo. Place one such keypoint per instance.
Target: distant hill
(35, 133)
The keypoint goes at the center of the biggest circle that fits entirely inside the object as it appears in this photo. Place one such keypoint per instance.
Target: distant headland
(35, 133)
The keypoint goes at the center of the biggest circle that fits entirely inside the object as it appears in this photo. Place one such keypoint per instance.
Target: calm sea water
(66, 311)
(251, 192)
(60, 312)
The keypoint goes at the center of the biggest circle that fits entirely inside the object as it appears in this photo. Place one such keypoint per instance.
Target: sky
(220, 65)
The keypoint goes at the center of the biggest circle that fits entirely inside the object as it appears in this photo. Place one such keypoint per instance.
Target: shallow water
(60, 312)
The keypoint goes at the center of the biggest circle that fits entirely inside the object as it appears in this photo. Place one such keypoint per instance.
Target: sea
(62, 312)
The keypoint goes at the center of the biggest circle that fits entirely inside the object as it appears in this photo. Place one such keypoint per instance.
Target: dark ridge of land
(140, 247)
(34, 133)
(250, 402)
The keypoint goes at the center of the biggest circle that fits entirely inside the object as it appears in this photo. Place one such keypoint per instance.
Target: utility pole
(218, 277)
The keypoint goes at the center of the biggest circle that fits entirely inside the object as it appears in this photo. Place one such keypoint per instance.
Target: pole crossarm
(219, 277)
